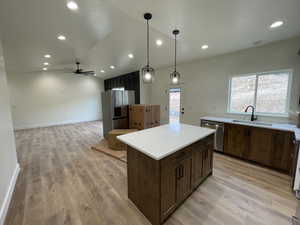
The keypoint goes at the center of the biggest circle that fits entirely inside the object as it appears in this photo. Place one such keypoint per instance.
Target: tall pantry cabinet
(144, 116)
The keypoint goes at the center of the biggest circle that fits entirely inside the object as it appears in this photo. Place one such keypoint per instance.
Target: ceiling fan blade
(88, 72)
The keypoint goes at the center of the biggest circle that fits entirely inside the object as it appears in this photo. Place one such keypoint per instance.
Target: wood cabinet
(236, 139)
(282, 153)
(166, 183)
(198, 163)
(176, 182)
(260, 146)
(144, 116)
(202, 160)
(268, 147)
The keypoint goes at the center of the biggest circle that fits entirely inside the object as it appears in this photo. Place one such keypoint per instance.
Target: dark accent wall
(130, 81)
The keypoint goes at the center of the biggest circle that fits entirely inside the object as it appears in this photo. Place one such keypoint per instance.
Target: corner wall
(9, 167)
(53, 98)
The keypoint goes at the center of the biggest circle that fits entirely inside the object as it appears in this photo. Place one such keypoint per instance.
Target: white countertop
(159, 142)
(275, 126)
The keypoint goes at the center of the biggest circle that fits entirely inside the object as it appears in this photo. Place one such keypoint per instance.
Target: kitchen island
(165, 165)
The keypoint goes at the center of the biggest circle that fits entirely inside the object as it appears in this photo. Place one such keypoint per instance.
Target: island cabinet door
(169, 173)
(184, 179)
(197, 164)
(176, 182)
(207, 162)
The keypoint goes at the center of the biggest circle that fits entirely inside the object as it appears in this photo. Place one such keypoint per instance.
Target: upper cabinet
(268, 147)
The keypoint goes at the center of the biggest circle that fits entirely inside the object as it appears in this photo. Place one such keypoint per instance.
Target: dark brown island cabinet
(158, 187)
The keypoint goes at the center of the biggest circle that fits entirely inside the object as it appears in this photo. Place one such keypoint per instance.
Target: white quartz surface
(159, 142)
(275, 126)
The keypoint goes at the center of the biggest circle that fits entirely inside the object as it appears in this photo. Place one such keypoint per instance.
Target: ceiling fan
(82, 72)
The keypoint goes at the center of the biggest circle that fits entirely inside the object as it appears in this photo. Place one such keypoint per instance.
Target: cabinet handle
(177, 173)
(181, 169)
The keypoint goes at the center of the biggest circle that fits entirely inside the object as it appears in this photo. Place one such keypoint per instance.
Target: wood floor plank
(64, 182)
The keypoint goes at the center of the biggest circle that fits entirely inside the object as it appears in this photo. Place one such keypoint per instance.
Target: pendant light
(175, 76)
(147, 71)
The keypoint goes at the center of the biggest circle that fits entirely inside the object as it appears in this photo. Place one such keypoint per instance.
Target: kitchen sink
(253, 122)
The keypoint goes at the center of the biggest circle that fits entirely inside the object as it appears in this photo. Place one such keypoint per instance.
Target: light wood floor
(63, 182)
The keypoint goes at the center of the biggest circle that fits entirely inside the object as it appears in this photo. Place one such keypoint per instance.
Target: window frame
(287, 105)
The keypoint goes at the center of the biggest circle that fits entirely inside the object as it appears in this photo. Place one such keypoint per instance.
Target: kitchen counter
(274, 126)
(159, 142)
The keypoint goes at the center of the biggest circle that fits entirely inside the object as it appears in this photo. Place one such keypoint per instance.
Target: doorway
(174, 105)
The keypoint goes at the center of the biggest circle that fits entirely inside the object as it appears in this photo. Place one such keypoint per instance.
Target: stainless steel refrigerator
(115, 109)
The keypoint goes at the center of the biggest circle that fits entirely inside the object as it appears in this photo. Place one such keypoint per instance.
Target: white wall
(205, 82)
(9, 167)
(52, 98)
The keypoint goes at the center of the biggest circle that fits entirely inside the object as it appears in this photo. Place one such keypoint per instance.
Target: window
(268, 92)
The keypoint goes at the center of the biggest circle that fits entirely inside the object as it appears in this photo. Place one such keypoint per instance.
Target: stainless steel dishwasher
(219, 135)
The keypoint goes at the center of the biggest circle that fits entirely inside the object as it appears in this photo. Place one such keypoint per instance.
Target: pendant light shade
(147, 71)
(175, 75)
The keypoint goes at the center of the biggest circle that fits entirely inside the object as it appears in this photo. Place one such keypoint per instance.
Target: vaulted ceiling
(103, 32)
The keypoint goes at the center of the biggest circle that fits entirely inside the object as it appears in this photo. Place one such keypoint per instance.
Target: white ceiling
(103, 32)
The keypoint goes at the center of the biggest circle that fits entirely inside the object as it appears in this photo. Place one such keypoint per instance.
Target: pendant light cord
(148, 43)
(175, 51)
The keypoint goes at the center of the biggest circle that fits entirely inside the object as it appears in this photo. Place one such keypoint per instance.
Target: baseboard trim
(8, 196)
(53, 124)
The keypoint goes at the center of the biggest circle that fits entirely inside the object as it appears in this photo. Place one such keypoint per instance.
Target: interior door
(175, 104)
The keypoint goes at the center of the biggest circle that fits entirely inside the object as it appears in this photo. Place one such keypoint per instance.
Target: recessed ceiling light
(204, 46)
(102, 71)
(159, 42)
(61, 37)
(72, 5)
(112, 67)
(46, 64)
(45, 69)
(47, 56)
(276, 24)
(130, 55)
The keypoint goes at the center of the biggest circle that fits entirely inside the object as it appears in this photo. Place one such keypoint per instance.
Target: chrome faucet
(253, 117)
